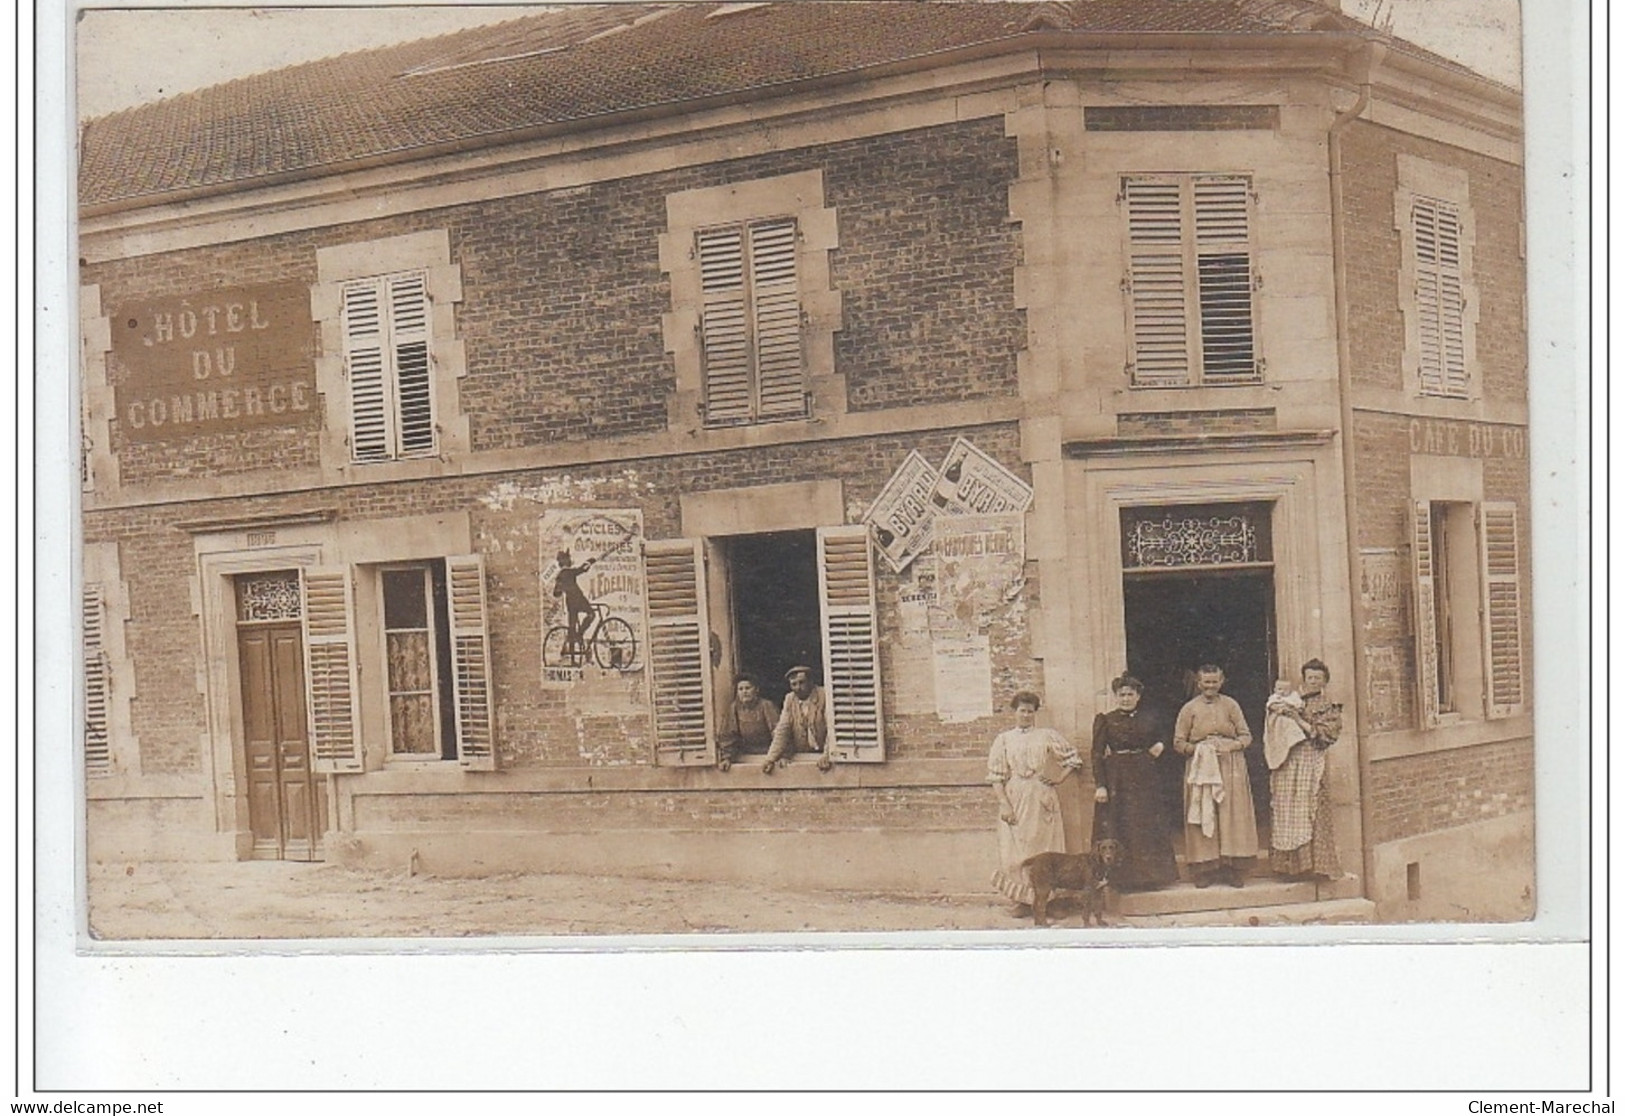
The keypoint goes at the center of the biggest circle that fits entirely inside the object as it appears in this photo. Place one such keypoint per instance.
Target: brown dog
(1089, 873)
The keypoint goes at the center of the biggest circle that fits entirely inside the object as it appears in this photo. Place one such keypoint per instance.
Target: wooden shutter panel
(1156, 281)
(724, 329)
(364, 364)
(1440, 298)
(409, 345)
(679, 652)
(776, 314)
(330, 669)
(1224, 279)
(1503, 615)
(846, 601)
(1427, 639)
(470, 661)
(98, 684)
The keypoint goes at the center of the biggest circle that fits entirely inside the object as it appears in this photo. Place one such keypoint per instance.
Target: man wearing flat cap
(803, 725)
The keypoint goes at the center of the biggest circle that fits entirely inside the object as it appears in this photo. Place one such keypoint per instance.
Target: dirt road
(280, 900)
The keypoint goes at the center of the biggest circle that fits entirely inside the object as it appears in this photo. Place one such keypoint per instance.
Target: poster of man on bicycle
(592, 594)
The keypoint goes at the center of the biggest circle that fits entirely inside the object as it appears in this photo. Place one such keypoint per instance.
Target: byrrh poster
(592, 594)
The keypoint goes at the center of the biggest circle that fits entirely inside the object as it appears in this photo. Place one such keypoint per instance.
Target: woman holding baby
(1298, 728)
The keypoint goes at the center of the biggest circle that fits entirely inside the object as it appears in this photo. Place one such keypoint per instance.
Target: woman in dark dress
(1129, 795)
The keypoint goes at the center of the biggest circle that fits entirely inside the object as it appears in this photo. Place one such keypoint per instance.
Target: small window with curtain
(1190, 280)
(750, 323)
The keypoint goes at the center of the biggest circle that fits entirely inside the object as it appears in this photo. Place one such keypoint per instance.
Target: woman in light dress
(1025, 766)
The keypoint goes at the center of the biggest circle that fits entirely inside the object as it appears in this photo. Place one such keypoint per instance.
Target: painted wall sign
(592, 596)
(1450, 438)
(219, 361)
(1383, 579)
(901, 517)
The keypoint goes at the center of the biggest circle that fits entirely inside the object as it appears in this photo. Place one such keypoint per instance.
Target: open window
(1469, 627)
(757, 605)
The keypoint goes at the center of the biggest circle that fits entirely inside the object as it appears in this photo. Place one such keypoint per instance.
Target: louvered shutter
(776, 315)
(1427, 638)
(679, 649)
(725, 333)
(1440, 298)
(364, 365)
(409, 344)
(1503, 616)
(330, 669)
(98, 684)
(1156, 283)
(1224, 279)
(470, 661)
(846, 601)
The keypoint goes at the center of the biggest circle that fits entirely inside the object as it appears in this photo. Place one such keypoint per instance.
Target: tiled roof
(574, 64)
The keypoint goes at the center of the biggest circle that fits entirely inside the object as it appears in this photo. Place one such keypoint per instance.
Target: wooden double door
(287, 805)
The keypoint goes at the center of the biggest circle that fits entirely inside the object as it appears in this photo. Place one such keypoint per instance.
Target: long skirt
(1319, 853)
(1236, 833)
(1134, 815)
(1038, 829)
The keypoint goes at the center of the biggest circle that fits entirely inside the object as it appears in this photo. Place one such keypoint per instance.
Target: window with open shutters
(1468, 611)
(1190, 280)
(750, 323)
(1440, 297)
(387, 363)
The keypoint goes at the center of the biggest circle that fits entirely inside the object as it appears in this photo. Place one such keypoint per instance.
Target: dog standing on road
(1088, 873)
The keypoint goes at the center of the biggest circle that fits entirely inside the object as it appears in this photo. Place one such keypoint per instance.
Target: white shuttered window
(1503, 608)
(1190, 280)
(846, 600)
(388, 364)
(1441, 301)
(750, 322)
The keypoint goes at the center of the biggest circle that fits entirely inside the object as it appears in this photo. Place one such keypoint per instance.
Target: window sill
(1463, 733)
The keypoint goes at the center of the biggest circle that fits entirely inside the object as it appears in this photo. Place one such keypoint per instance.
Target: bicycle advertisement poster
(592, 595)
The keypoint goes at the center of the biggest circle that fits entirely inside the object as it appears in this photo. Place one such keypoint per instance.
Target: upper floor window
(750, 322)
(753, 314)
(390, 366)
(1190, 280)
(387, 363)
(1439, 299)
(1436, 292)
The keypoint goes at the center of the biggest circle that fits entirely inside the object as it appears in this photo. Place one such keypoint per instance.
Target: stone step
(1182, 898)
(1324, 912)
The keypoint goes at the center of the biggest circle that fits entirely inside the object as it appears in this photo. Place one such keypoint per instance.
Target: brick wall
(563, 294)
(911, 809)
(537, 726)
(1382, 446)
(1376, 325)
(1437, 790)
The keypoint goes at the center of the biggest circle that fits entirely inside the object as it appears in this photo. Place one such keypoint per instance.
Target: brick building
(1207, 314)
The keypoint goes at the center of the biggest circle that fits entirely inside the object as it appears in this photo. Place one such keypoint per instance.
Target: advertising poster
(979, 568)
(592, 595)
(964, 677)
(900, 519)
(972, 483)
